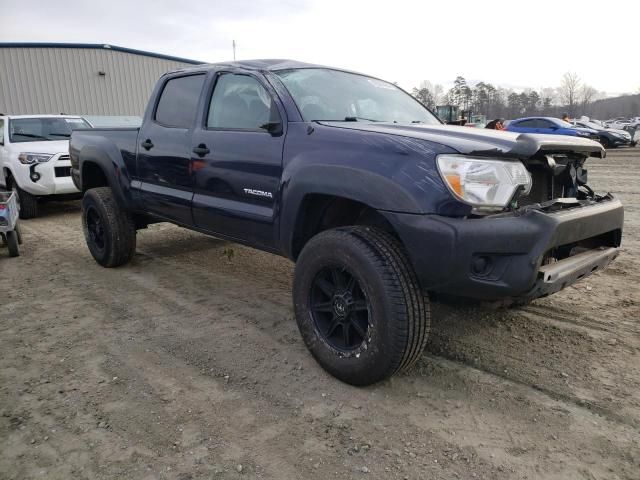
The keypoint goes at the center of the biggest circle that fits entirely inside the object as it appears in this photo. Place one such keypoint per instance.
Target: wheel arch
(319, 212)
(309, 190)
(105, 167)
(93, 175)
(6, 174)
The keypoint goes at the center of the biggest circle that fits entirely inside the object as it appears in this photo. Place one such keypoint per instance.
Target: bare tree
(435, 91)
(423, 95)
(587, 96)
(569, 90)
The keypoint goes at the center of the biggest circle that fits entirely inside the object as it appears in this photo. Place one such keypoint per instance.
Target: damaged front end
(548, 231)
(586, 243)
(558, 181)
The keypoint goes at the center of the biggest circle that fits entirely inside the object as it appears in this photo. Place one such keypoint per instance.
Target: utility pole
(234, 50)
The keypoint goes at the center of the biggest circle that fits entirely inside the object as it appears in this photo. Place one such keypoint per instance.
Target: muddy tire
(28, 203)
(12, 243)
(109, 231)
(358, 304)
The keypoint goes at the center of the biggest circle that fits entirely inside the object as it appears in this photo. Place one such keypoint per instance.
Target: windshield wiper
(60, 135)
(356, 119)
(31, 135)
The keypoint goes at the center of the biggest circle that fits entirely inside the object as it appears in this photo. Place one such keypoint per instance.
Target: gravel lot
(187, 364)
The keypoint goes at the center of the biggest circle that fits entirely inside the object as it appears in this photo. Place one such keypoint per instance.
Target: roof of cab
(270, 65)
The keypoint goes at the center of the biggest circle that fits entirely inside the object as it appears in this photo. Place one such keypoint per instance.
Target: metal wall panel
(66, 80)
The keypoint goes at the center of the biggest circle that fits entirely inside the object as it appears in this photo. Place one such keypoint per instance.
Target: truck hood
(480, 141)
(47, 146)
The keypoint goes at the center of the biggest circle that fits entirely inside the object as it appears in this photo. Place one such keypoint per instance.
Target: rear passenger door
(237, 159)
(164, 149)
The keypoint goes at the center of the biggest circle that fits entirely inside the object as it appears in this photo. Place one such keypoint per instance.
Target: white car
(34, 157)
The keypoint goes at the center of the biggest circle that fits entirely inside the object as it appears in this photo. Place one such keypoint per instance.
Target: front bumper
(621, 142)
(502, 257)
(55, 177)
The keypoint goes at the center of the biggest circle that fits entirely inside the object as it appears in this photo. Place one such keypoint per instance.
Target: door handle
(201, 150)
(147, 144)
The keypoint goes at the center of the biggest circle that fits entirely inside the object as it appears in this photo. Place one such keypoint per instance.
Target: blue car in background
(550, 125)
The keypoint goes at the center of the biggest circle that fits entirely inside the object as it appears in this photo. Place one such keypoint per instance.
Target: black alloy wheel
(339, 308)
(95, 228)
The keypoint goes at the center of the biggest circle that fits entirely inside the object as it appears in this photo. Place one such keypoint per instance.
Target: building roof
(97, 46)
(273, 64)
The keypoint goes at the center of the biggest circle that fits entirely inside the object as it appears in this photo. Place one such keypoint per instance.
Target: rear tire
(12, 243)
(109, 230)
(27, 203)
(360, 280)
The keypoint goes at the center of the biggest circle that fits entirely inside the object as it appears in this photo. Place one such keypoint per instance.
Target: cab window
(178, 102)
(240, 102)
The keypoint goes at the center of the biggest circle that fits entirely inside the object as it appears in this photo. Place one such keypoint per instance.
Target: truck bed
(97, 141)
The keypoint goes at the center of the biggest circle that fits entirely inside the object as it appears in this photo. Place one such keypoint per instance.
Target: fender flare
(364, 186)
(107, 156)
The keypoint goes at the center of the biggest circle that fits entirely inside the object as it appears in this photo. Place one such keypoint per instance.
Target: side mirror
(274, 128)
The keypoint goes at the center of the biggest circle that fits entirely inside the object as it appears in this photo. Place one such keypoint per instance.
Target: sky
(515, 44)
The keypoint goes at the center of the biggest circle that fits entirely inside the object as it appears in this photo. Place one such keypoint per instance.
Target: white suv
(34, 157)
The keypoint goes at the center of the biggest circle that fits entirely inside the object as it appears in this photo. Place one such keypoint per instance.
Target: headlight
(487, 184)
(29, 158)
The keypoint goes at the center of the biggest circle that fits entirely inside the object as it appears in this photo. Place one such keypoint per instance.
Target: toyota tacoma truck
(377, 202)
(34, 158)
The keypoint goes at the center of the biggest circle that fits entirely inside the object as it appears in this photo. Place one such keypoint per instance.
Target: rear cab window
(178, 101)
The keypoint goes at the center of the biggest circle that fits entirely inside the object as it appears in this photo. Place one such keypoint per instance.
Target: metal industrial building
(83, 79)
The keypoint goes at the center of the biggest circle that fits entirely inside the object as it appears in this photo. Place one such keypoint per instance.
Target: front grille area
(63, 171)
(63, 157)
(544, 187)
(559, 176)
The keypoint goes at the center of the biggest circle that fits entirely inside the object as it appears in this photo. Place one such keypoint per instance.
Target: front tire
(27, 203)
(358, 304)
(109, 231)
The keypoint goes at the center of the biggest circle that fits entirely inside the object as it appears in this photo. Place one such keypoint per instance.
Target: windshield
(324, 94)
(43, 128)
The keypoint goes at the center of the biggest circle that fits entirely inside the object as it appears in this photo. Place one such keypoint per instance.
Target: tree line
(573, 96)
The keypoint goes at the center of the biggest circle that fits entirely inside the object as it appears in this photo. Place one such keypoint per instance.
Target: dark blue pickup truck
(379, 204)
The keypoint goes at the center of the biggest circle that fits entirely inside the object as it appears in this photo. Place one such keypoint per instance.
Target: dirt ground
(187, 364)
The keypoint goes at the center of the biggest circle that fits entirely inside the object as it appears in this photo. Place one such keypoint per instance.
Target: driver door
(237, 160)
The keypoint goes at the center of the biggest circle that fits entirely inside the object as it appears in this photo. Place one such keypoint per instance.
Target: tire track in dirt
(177, 345)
